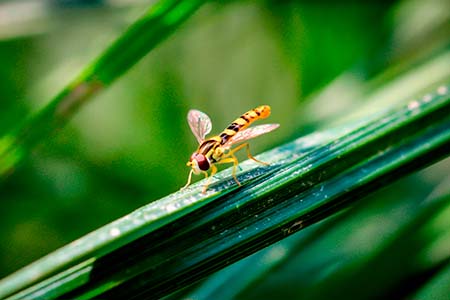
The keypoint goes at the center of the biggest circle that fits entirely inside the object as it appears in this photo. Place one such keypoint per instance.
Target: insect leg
(231, 159)
(213, 171)
(247, 145)
(249, 155)
(189, 180)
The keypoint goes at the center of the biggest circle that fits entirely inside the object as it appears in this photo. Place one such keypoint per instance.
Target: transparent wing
(200, 124)
(250, 133)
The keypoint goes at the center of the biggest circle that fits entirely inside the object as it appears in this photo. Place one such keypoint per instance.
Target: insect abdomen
(261, 112)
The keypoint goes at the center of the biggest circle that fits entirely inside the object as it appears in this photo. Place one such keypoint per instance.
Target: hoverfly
(216, 149)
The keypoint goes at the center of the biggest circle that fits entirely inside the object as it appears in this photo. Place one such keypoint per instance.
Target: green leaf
(178, 240)
(142, 36)
(438, 287)
(383, 247)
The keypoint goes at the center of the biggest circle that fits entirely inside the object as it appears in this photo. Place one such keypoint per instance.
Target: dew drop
(442, 90)
(413, 104)
(427, 98)
(114, 232)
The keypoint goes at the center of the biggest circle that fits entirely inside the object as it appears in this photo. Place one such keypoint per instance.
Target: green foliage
(383, 120)
(139, 255)
(138, 40)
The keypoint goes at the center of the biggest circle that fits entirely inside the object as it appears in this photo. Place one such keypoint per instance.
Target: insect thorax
(217, 154)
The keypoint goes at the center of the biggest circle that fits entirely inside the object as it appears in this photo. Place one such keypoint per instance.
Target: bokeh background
(313, 62)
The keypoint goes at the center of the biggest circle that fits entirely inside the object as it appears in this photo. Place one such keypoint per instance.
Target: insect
(217, 149)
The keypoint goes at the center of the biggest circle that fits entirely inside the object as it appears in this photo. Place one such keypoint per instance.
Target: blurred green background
(312, 62)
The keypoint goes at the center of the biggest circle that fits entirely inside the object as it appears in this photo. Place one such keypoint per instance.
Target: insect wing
(200, 124)
(250, 133)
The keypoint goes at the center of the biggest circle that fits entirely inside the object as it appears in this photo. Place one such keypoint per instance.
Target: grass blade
(185, 236)
(142, 36)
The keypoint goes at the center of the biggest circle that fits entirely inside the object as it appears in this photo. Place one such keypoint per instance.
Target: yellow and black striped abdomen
(244, 121)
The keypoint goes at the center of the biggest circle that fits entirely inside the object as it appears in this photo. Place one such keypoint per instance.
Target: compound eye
(203, 163)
